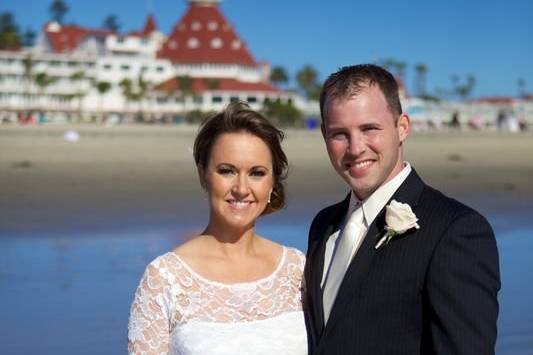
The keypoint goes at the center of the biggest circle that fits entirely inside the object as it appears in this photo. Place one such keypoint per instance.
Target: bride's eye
(224, 171)
(258, 173)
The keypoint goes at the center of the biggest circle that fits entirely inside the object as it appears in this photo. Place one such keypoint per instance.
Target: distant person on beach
(396, 267)
(455, 123)
(227, 290)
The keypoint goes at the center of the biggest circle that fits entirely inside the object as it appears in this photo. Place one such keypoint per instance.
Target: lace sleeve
(300, 257)
(148, 328)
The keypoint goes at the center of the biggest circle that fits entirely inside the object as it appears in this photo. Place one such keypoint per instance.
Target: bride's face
(238, 179)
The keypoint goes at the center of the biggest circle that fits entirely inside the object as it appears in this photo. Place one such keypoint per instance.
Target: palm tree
(78, 77)
(141, 93)
(58, 9)
(387, 63)
(307, 79)
(9, 32)
(111, 23)
(28, 63)
(43, 80)
(102, 87)
(521, 82)
(28, 38)
(212, 83)
(462, 91)
(420, 81)
(400, 67)
(185, 84)
(127, 90)
(279, 76)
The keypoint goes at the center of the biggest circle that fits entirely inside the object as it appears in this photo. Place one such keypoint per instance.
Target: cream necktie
(350, 238)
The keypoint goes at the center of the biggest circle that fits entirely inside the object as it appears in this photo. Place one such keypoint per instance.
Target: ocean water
(70, 293)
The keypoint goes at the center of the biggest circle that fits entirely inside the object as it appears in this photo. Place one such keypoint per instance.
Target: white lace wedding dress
(177, 311)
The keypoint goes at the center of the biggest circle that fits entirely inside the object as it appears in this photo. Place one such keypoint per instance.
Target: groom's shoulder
(330, 211)
(328, 215)
(445, 207)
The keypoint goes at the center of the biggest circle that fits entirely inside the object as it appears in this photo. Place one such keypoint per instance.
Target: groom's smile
(359, 168)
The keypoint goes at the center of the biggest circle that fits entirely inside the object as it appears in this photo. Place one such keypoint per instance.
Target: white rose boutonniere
(399, 218)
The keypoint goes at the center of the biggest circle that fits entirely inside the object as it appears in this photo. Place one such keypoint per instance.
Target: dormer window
(196, 26)
(216, 43)
(193, 42)
(236, 44)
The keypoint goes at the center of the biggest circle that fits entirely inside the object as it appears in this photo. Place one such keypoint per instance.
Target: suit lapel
(408, 192)
(316, 257)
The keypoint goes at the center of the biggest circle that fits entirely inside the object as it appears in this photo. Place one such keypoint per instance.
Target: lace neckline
(236, 284)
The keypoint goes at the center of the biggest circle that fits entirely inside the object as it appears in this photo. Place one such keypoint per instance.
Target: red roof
(200, 85)
(149, 27)
(68, 37)
(496, 100)
(203, 35)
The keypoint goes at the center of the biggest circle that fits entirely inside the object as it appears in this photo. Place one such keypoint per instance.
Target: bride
(227, 290)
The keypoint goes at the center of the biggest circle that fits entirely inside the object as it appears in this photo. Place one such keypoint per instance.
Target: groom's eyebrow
(370, 125)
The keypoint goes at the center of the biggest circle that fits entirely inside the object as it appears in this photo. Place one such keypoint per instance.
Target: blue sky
(491, 39)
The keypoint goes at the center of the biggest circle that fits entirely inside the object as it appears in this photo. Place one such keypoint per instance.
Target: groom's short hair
(351, 80)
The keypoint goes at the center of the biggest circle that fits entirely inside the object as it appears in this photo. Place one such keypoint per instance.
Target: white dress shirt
(371, 208)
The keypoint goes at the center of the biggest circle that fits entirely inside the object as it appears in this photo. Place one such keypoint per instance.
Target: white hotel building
(202, 65)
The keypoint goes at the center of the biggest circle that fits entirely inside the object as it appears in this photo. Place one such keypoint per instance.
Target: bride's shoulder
(169, 264)
(295, 256)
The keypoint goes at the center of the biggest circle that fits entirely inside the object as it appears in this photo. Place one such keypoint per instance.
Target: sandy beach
(146, 173)
(80, 220)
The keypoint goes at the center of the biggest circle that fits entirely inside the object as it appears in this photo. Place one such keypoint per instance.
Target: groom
(396, 267)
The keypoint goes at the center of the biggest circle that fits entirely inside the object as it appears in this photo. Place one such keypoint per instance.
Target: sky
(491, 39)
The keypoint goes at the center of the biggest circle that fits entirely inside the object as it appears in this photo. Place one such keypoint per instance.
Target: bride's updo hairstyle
(237, 118)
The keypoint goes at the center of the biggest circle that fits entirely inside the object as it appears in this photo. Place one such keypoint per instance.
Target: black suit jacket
(428, 291)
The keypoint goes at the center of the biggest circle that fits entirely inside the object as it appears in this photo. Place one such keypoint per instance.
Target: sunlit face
(238, 179)
(363, 140)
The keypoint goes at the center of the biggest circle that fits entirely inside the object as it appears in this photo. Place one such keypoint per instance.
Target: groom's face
(364, 139)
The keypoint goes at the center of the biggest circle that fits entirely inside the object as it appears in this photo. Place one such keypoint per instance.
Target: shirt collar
(375, 202)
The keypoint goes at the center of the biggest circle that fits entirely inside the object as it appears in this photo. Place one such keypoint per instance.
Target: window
(159, 69)
(216, 99)
(107, 66)
(72, 64)
(162, 100)
(216, 43)
(251, 99)
(196, 26)
(125, 67)
(193, 42)
(233, 99)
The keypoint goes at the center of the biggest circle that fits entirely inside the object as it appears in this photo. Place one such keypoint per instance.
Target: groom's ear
(403, 126)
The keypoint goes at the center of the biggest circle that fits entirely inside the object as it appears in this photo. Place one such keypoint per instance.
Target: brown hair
(238, 117)
(350, 81)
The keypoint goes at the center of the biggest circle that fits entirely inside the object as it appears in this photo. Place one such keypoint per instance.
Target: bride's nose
(240, 186)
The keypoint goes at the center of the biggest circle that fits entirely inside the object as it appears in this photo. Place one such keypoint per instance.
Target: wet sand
(145, 174)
